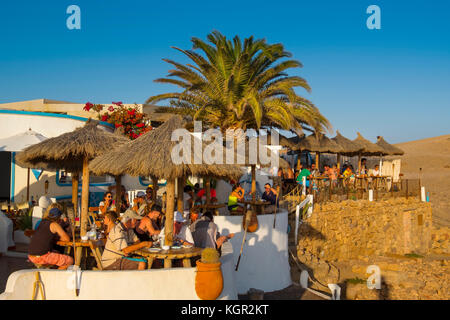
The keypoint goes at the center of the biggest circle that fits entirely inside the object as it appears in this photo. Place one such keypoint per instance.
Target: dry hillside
(433, 156)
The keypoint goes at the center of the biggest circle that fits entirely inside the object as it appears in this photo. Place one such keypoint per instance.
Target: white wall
(157, 284)
(264, 262)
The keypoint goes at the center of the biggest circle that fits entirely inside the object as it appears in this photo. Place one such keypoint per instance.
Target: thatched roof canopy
(368, 148)
(348, 146)
(320, 143)
(150, 155)
(68, 150)
(389, 149)
(251, 156)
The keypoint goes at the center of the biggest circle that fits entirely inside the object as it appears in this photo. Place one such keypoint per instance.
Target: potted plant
(209, 278)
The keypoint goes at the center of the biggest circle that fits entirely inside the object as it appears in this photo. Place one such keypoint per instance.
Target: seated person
(205, 233)
(40, 250)
(376, 171)
(193, 214)
(139, 203)
(181, 231)
(149, 194)
(304, 172)
(363, 167)
(348, 174)
(202, 195)
(270, 194)
(188, 199)
(236, 196)
(148, 228)
(125, 202)
(121, 241)
(109, 222)
(107, 204)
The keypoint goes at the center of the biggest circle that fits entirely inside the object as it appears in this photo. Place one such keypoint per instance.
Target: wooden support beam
(75, 177)
(170, 199)
(84, 197)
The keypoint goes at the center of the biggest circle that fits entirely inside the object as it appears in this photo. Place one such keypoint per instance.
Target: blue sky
(392, 82)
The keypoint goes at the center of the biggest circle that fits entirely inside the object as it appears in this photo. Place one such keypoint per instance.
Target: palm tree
(240, 85)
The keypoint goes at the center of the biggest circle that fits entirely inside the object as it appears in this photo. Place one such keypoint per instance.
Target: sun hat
(130, 214)
(54, 213)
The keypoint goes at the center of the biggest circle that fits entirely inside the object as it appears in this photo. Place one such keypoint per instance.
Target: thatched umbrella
(348, 146)
(368, 149)
(388, 148)
(250, 158)
(151, 155)
(72, 151)
(318, 143)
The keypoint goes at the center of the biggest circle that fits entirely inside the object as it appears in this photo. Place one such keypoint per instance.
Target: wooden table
(214, 206)
(168, 255)
(94, 245)
(257, 205)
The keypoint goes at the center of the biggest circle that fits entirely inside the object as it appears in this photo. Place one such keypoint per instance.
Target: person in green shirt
(304, 172)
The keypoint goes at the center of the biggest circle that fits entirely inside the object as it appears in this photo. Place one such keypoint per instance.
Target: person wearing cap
(181, 231)
(148, 227)
(41, 248)
(149, 193)
(139, 203)
(121, 242)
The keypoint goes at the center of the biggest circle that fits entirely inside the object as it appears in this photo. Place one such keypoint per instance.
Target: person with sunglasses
(107, 204)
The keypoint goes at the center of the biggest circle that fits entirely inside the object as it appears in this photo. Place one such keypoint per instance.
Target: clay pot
(253, 225)
(208, 280)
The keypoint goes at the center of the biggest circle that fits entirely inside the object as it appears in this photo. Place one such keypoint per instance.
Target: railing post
(406, 188)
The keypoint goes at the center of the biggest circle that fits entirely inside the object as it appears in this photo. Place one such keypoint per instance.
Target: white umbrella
(20, 141)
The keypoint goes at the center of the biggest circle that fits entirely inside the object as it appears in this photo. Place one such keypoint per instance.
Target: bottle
(428, 196)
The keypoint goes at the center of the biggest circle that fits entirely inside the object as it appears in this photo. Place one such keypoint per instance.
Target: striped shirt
(118, 238)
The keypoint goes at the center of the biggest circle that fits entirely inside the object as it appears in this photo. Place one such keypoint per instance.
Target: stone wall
(440, 238)
(353, 229)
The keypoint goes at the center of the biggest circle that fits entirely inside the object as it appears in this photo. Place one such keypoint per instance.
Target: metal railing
(365, 188)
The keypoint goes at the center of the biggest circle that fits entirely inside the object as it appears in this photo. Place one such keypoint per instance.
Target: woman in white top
(107, 204)
(376, 172)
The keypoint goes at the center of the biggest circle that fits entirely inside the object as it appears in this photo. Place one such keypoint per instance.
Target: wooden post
(406, 188)
(338, 164)
(118, 192)
(75, 177)
(155, 188)
(170, 198)
(253, 182)
(180, 194)
(420, 179)
(207, 186)
(84, 197)
(28, 185)
(318, 161)
(359, 164)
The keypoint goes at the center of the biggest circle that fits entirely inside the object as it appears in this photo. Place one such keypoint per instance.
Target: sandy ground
(433, 156)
